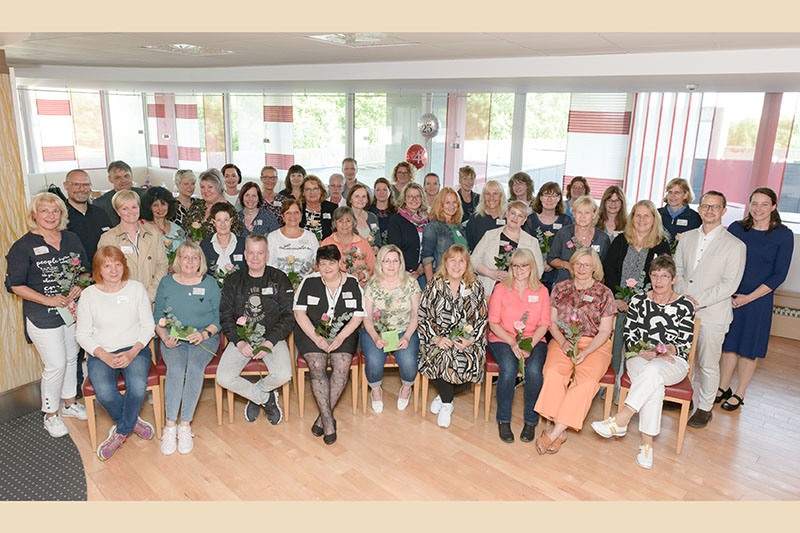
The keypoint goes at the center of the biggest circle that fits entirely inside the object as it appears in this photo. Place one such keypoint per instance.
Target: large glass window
(787, 149)
(544, 149)
(487, 141)
(127, 128)
(319, 133)
(374, 138)
(247, 125)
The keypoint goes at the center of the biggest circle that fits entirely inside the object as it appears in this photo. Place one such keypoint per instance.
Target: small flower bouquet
(384, 237)
(525, 343)
(316, 228)
(171, 248)
(544, 240)
(632, 287)
(502, 261)
(220, 274)
(68, 276)
(380, 320)
(197, 231)
(461, 331)
(330, 327)
(351, 259)
(294, 277)
(176, 329)
(674, 245)
(573, 331)
(252, 333)
(573, 243)
(644, 346)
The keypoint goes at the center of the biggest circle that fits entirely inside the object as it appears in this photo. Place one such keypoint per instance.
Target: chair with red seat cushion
(257, 367)
(152, 386)
(302, 368)
(391, 362)
(607, 382)
(680, 393)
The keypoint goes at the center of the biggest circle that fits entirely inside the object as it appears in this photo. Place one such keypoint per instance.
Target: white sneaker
(436, 404)
(55, 426)
(185, 442)
(168, 440)
(608, 428)
(75, 410)
(645, 456)
(150, 397)
(444, 414)
(402, 403)
(377, 405)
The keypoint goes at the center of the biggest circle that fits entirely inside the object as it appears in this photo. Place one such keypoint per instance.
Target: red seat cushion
(681, 391)
(491, 364)
(610, 376)
(301, 362)
(152, 381)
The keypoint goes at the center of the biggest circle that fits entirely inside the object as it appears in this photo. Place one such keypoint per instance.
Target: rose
(196, 225)
(371, 239)
(76, 261)
(168, 243)
(325, 317)
(229, 267)
(630, 282)
(241, 321)
(314, 223)
(573, 317)
(162, 322)
(377, 314)
(290, 260)
(468, 329)
(661, 348)
(677, 236)
(548, 234)
(519, 326)
(570, 245)
(508, 248)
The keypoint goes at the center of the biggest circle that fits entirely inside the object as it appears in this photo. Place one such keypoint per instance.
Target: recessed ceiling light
(361, 39)
(188, 49)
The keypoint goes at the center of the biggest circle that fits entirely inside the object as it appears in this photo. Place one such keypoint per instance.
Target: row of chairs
(680, 393)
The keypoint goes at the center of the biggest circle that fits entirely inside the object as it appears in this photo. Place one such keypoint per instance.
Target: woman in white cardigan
(498, 245)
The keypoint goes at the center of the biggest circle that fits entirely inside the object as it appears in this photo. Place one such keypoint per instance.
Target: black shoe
(674, 406)
(700, 418)
(330, 439)
(528, 433)
(724, 396)
(505, 432)
(273, 409)
(316, 430)
(251, 411)
(728, 406)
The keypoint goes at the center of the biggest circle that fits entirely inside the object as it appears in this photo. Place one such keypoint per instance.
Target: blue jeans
(123, 409)
(509, 366)
(375, 358)
(422, 281)
(186, 365)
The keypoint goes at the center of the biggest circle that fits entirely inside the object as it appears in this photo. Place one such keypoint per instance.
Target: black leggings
(447, 390)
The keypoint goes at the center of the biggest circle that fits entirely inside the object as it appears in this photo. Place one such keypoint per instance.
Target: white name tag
(532, 298)
(373, 227)
(199, 290)
(266, 290)
(105, 228)
(237, 257)
(258, 222)
(500, 222)
(596, 248)
(587, 298)
(465, 292)
(126, 249)
(556, 225)
(350, 304)
(277, 203)
(503, 243)
(682, 222)
(458, 233)
(326, 215)
(347, 294)
(123, 299)
(39, 250)
(313, 300)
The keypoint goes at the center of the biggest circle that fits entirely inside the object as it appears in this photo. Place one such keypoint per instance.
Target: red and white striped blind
(278, 131)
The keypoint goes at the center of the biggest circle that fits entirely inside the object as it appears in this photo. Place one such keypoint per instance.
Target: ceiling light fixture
(188, 49)
(361, 39)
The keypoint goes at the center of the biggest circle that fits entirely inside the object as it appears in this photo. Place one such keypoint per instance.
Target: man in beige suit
(710, 264)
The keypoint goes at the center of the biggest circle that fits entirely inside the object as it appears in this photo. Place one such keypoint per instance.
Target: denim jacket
(437, 237)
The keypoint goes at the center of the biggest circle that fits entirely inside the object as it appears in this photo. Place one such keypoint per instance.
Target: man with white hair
(335, 189)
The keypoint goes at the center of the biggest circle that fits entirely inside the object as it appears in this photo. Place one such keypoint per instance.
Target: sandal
(542, 443)
(556, 445)
(724, 396)
(728, 406)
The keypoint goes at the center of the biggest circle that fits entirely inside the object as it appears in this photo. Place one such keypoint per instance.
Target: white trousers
(648, 380)
(59, 352)
(709, 351)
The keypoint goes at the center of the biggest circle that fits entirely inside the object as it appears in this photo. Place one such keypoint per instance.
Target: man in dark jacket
(258, 295)
(121, 177)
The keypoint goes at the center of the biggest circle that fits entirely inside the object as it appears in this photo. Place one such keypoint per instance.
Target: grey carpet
(36, 467)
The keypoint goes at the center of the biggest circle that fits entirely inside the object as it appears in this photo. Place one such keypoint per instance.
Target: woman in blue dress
(769, 253)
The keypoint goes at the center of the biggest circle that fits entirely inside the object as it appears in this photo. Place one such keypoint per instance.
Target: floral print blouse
(589, 305)
(394, 304)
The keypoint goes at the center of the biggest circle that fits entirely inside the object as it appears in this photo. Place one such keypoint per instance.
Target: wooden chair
(680, 393)
(152, 386)
(607, 382)
(476, 397)
(302, 368)
(391, 362)
(209, 373)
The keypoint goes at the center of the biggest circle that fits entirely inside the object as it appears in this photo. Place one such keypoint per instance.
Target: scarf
(419, 220)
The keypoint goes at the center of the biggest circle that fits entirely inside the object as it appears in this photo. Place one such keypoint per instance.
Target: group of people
(540, 282)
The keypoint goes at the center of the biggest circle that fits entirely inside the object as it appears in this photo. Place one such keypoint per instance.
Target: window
(545, 146)
(319, 133)
(127, 128)
(487, 141)
(376, 143)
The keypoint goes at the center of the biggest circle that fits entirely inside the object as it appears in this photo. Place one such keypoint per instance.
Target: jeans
(278, 364)
(59, 352)
(375, 358)
(123, 409)
(186, 364)
(509, 366)
(422, 281)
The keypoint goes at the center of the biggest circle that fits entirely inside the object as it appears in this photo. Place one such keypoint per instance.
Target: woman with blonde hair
(676, 216)
(582, 234)
(520, 304)
(611, 216)
(406, 229)
(36, 264)
(442, 230)
(488, 215)
(453, 299)
(391, 299)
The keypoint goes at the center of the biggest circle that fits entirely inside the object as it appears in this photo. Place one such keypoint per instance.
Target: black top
(312, 297)
(404, 235)
(324, 222)
(383, 216)
(104, 202)
(468, 207)
(612, 265)
(88, 227)
(688, 219)
(34, 263)
(266, 300)
(478, 225)
(237, 257)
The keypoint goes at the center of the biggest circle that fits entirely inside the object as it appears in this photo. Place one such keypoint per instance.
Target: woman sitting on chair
(114, 325)
(663, 320)
(323, 298)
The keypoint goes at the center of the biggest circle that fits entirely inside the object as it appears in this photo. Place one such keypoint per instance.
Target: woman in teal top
(186, 299)
(442, 231)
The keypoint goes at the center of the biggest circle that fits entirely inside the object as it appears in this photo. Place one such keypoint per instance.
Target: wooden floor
(751, 454)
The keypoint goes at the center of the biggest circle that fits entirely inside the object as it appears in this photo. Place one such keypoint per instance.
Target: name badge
(237, 257)
(347, 294)
(596, 248)
(313, 300)
(466, 292)
(106, 228)
(350, 304)
(503, 243)
(258, 222)
(587, 298)
(500, 222)
(201, 291)
(123, 299)
(39, 250)
(533, 298)
(556, 225)
(458, 232)
(277, 203)
(126, 249)
(682, 222)
(266, 291)
(326, 216)
(373, 226)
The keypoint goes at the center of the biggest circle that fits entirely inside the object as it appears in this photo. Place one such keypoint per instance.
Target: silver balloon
(428, 125)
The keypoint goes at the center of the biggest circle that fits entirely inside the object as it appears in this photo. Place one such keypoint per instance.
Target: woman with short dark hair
(293, 183)
(223, 250)
(232, 178)
(159, 208)
(357, 256)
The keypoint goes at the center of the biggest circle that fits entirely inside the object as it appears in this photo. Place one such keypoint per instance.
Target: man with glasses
(336, 189)
(710, 264)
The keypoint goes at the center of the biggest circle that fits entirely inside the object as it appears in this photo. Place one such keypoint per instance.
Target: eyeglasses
(613, 201)
(311, 189)
(583, 265)
(550, 195)
(81, 185)
(713, 207)
(521, 267)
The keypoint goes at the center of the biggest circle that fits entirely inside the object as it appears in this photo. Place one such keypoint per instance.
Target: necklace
(668, 299)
